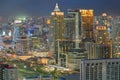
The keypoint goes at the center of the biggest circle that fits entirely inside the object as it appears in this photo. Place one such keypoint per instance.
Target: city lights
(81, 43)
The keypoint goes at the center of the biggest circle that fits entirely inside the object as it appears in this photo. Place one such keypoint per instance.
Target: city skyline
(44, 8)
(53, 38)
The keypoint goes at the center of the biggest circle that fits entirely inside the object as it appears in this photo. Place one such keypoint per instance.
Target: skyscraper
(103, 38)
(86, 20)
(87, 32)
(58, 22)
(116, 37)
(58, 26)
(76, 50)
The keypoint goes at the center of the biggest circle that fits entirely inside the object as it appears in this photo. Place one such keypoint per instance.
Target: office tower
(7, 72)
(116, 37)
(57, 20)
(103, 42)
(103, 39)
(86, 21)
(100, 69)
(90, 48)
(73, 34)
(67, 44)
(20, 39)
(69, 23)
(22, 45)
(87, 32)
(15, 33)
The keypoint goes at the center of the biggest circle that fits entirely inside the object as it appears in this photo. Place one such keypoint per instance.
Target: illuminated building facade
(19, 36)
(87, 32)
(67, 44)
(22, 45)
(116, 37)
(80, 37)
(73, 34)
(103, 39)
(57, 20)
(100, 69)
(86, 20)
(103, 42)
(18, 32)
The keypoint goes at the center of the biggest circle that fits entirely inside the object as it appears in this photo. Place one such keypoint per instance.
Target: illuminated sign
(100, 27)
(17, 21)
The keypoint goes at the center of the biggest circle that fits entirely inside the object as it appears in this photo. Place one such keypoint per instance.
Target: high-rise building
(86, 21)
(22, 45)
(103, 38)
(7, 72)
(100, 69)
(116, 37)
(73, 30)
(90, 48)
(87, 32)
(57, 20)
(103, 42)
(15, 33)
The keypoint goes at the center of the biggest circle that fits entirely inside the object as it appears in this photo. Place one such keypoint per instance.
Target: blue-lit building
(15, 33)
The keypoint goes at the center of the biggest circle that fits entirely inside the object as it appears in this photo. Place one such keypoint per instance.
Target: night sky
(44, 7)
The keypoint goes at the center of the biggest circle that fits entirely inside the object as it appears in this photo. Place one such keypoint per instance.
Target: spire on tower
(56, 8)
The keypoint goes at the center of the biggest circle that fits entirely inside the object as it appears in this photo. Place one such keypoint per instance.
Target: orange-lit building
(86, 20)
